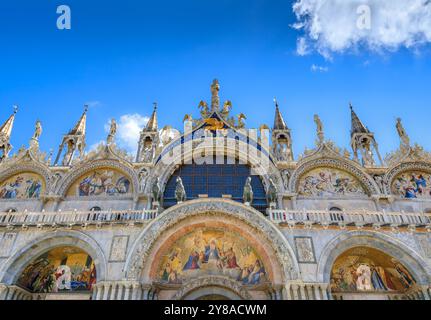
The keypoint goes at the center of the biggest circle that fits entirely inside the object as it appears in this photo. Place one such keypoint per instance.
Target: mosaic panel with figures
(326, 182)
(102, 182)
(364, 269)
(412, 185)
(22, 186)
(212, 252)
(63, 269)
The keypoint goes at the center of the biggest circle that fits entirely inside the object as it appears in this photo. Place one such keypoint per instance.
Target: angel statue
(180, 191)
(248, 192)
(204, 109)
(112, 132)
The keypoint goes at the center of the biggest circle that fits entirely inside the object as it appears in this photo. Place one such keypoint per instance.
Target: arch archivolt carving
(77, 172)
(393, 173)
(367, 181)
(232, 214)
(214, 281)
(377, 240)
(13, 267)
(32, 167)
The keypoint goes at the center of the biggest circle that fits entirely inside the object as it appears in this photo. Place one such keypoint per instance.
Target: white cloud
(129, 128)
(316, 68)
(338, 26)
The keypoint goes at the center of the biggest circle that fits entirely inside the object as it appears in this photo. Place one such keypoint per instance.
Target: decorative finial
(155, 105)
(85, 108)
(351, 106)
(276, 102)
(15, 109)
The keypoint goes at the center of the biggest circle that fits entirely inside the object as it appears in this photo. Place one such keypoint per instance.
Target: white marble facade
(101, 204)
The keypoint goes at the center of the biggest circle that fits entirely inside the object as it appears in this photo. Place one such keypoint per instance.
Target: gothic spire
(357, 125)
(279, 123)
(6, 128)
(152, 124)
(81, 125)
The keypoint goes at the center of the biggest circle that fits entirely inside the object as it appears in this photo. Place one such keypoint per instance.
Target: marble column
(3, 291)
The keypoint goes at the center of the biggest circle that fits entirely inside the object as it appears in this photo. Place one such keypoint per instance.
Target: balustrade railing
(325, 218)
(351, 218)
(70, 218)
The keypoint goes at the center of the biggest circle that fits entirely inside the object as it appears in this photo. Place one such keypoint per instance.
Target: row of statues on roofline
(181, 196)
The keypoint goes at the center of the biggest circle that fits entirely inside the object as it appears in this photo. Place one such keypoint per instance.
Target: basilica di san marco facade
(215, 211)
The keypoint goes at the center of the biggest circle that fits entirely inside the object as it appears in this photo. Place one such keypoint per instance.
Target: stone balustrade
(357, 218)
(299, 290)
(123, 290)
(14, 293)
(72, 218)
(324, 218)
(416, 293)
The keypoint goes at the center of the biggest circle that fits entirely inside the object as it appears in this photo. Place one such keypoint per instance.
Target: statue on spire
(405, 140)
(215, 99)
(319, 129)
(112, 132)
(34, 142)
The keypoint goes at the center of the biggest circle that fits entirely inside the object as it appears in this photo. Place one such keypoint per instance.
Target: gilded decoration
(364, 269)
(327, 182)
(25, 185)
(101, 182)
(63, 269)
(212, 252)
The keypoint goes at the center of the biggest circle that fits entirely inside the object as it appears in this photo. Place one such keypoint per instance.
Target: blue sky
(120, 56)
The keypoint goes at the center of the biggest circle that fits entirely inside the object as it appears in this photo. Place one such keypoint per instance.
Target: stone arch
(76, 173)
(402, 168)
(392, 247)
(202, 286)
(366, 181)
(31, 167)
(164, 169)
(146, 245)
(13, 267)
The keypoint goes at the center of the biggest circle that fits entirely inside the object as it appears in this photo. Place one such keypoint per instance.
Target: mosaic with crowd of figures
(63, 269)
(324, 182)
(365, 269)
(22, 186)
(105, 182)
(412, 185)
(212, 252)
